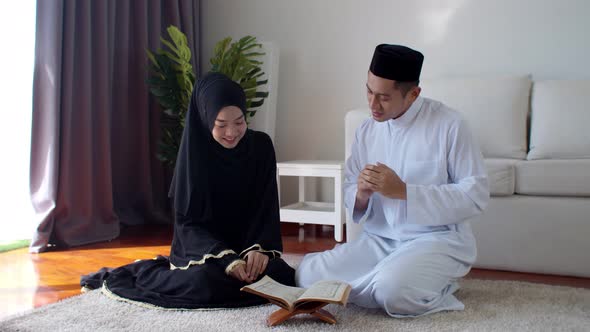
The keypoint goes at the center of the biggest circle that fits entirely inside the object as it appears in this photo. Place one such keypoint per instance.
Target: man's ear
(414, 93)
(417, 91)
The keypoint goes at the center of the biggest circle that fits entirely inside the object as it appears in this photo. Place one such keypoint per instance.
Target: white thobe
(411, 252)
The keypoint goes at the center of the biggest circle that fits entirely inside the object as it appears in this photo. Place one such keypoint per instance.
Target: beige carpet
(490, 306)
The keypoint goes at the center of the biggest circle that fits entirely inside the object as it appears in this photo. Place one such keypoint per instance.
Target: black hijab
(211, 93)
(225, 200)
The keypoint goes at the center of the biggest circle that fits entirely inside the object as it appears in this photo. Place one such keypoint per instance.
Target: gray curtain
(95, 126)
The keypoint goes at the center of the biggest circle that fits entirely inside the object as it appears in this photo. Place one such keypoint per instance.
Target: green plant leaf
(152, 58)
(171, 80)
(256, 103)
(170, 46)
(159, 92)
(254, 54)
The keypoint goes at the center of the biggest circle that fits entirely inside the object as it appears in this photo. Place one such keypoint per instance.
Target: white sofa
(535, 138)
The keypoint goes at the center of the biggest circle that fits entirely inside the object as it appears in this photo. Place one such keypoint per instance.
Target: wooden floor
(31, 280)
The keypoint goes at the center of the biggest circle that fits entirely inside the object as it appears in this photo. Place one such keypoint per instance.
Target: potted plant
(171, 80)
(238, 60)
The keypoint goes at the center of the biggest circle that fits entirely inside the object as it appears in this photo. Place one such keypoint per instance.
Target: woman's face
(230, 126)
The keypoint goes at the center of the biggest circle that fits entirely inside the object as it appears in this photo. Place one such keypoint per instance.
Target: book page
(272, 288)
(328, 290)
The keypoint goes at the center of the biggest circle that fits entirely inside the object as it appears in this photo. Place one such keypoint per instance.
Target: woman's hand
(256, 263)
(239, 272)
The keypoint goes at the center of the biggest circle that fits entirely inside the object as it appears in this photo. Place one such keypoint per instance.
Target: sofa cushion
(496, 110)
(501, 176)
(560, 114)
(553, 177)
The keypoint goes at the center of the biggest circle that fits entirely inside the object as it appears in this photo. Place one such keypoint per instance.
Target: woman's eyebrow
(236, 119)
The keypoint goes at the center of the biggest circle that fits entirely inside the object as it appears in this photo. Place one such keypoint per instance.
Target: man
(415, 176)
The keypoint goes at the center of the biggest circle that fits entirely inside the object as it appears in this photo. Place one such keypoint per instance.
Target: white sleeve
(352, 169)
(465, 196)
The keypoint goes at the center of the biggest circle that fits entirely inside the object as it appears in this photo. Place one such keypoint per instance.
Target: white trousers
(405, 278)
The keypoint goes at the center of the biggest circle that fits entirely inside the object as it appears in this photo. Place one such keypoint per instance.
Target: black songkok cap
(397, 63)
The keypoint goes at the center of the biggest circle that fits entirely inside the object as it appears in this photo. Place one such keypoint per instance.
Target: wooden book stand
(315, 310)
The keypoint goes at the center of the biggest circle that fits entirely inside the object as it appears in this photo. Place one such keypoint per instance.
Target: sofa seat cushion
(501, 176)
(550, 177)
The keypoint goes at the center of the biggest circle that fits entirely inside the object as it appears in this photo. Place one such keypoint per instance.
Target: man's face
(385, 101)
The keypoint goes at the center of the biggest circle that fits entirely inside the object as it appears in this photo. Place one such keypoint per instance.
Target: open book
(295, 298)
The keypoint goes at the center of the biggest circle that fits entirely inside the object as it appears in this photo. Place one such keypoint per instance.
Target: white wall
(326, 47)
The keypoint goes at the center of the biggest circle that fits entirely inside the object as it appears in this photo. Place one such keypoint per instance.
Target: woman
(226, 231)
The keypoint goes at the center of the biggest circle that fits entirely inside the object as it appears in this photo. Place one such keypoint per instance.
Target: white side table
(305, 212)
